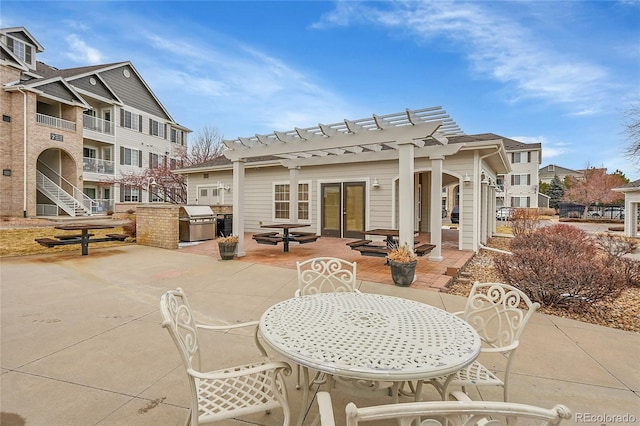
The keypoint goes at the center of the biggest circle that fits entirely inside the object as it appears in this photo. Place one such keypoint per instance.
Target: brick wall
(157, 225)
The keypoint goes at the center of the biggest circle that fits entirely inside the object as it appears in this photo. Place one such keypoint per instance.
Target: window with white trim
(21, 49)
(156, 128)
(130, 157)
(524, 179)
(130, 120)
(130, 194)
(521, 157)
(282, 199)
(177, 136)
(520, 201)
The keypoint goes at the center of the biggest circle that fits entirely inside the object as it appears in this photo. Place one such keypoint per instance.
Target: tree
(596, 188)
(206, 146)
(161, 182)
(555, 192)
(543, 188)
(632, 130)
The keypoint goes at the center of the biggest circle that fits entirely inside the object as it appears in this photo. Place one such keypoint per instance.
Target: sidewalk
(81, 342)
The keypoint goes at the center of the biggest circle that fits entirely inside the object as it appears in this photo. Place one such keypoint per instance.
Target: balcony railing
(56, 122)
(97, 124)
(103, 206)
(94, 165)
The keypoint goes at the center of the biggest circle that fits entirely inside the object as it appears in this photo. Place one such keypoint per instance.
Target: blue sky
(559, 73)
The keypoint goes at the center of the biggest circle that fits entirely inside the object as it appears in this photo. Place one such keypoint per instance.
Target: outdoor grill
(197, 223)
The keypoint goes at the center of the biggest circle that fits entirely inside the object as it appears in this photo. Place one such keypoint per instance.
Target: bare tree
(161, 182)
(206, 146)
(596, 187)
(632, 130)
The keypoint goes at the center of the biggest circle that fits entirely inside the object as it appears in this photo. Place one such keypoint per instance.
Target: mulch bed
(622, 313)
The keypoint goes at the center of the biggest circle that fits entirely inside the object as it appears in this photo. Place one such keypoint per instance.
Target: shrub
(560, 266)
(524, 221)
(129, 228)
(615, 247)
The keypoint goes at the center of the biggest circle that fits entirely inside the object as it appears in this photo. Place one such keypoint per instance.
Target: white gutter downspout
(24, 153)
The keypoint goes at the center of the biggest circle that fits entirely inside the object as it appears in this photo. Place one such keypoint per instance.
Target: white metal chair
(326, 275)
(228, 392)
(433, 413)
(499, 313)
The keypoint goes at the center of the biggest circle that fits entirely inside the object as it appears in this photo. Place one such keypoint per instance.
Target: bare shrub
(560, 266)
(129, 228)
(615, 247)
(524, 221)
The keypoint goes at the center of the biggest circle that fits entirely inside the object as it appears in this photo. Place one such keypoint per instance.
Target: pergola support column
(294, 173)
(436, 208)
(406, 193)
(238, 204)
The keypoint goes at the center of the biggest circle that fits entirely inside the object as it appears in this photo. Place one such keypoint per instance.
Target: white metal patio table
(368, 336)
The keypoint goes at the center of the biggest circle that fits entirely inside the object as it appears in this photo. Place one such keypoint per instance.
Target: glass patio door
(343, 209)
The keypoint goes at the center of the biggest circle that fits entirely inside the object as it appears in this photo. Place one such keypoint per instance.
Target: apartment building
(68, 135)
(520, 187)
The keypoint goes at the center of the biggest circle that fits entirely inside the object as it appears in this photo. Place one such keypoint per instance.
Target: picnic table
(83, 238)
(365, 247)
(273, 238)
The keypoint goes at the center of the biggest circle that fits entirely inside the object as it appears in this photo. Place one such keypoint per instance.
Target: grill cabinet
(197, 223)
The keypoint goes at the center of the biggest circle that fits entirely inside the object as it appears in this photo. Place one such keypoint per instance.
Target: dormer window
(21, 50)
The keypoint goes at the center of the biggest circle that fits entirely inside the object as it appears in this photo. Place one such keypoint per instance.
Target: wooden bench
(423, 249)
(354, 244)
(71, 236)
(372, 250)
(50, 242)
(268, 240)
(116, 237)
(265, 234)
(303, 239)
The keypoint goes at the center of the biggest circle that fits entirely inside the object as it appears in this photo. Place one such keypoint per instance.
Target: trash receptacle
(224, 225)
(197, 223)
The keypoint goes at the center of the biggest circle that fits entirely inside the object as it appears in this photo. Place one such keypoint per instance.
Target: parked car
(608, 213)
(455, 214)
(504, 213)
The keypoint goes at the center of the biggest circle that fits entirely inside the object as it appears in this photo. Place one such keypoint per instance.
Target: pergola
(380, 137)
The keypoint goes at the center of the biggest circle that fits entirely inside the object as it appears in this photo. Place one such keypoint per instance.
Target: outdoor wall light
(375, 183)
(223, 186)
(467, 178)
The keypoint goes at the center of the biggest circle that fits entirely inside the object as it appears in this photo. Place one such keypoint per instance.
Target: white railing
(94, 165)
(68, 202)
(97, 124)
(56, 122)
(104, 206)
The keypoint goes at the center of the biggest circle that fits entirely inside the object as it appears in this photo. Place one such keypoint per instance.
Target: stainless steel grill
(197, 223)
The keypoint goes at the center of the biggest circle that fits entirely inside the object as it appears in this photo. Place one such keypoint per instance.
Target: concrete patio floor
(81, 342)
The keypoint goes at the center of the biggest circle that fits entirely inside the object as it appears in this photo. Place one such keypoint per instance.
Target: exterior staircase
(76, 204)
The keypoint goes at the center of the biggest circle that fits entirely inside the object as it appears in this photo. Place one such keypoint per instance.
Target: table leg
(305, 396)
(285, 240)
(85, 242)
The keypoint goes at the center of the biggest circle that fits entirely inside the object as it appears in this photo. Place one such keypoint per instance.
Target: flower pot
(403, 273)
(227, 250)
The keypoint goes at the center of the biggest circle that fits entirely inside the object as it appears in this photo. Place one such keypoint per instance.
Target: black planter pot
(403, 273)
(227, 250)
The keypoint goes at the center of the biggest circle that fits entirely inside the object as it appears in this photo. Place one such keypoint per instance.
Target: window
(130, 120)
(520, 202)
(177, 136)
(282, 198)
(551, 168)
(130, 157)
(521, 157)
(156, 128)
(130, 194)
(21, 50)
(521, 179)
(89, 152)
(156, 160)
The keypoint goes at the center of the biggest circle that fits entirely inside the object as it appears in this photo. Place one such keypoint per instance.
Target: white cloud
(500, 47)
(80, 52)
(228, 78)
